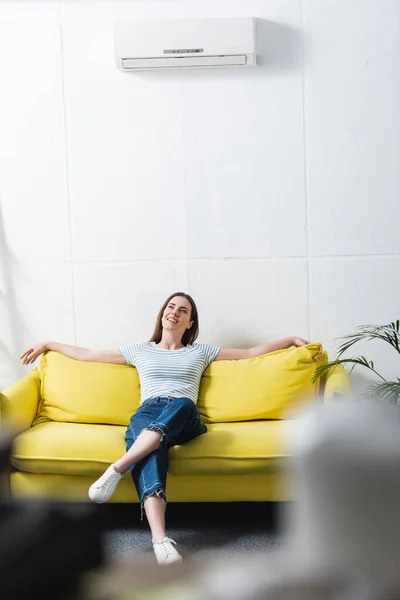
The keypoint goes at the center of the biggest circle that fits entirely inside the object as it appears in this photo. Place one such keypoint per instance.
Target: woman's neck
(170, 343)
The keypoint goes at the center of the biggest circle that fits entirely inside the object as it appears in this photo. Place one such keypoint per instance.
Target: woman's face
(176, 315)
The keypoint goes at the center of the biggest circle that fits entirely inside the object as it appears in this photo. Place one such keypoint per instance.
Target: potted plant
(383, 390)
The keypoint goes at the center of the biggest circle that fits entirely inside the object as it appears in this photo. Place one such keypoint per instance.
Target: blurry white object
(179, 43)
(347, 472)
(343, 530)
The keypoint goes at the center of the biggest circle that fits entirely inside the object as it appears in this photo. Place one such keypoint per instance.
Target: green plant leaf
(359, 360)
(387, 333)
(388, 391)
(322, 369)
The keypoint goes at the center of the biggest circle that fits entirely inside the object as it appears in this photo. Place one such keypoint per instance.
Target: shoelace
(106, 480)
(166, 546)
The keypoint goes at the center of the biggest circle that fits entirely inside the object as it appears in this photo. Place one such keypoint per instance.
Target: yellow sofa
(69, 418)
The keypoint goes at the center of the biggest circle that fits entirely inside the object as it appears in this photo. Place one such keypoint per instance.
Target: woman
(170, 367)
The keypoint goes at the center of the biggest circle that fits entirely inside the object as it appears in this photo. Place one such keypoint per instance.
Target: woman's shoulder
(137, 346)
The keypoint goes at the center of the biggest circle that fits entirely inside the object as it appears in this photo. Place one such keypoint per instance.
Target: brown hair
(191, 334)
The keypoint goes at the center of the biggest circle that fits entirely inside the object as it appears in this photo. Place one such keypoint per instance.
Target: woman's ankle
(158, 539)
(118, 469)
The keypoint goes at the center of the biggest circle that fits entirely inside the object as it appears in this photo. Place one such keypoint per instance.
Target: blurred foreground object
(347, 469)
(5, 458)
(343, 530)
(45, 548)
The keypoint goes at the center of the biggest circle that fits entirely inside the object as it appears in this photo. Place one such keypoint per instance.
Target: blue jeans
(179, 421)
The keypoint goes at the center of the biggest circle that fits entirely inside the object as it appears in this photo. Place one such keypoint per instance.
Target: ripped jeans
(179, 421)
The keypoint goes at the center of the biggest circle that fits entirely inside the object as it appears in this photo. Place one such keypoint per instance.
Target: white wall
(270, 195)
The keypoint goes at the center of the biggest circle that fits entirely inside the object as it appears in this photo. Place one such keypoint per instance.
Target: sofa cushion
(68, 448)
(265, 387)
(233, 448)
(82, 449)
(85, 392)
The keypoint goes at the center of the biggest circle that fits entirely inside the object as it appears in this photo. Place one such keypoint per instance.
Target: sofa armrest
(336, 384)
(19, 403)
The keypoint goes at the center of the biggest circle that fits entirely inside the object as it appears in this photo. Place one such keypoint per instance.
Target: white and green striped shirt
(175, 373)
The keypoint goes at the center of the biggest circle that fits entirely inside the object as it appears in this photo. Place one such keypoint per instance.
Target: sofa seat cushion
(68, 448)
(82, 449)
(250, 447)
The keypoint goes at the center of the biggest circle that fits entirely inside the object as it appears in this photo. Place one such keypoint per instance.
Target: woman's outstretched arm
(238, 353)
(84, 354)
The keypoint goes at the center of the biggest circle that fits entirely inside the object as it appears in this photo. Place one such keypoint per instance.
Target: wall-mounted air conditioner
(194, 43)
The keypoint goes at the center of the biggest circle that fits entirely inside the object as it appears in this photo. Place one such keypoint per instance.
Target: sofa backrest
(85, 392)
(266, 387)
(270, 386)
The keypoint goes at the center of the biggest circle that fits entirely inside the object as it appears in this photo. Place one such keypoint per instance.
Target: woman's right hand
(31, 354)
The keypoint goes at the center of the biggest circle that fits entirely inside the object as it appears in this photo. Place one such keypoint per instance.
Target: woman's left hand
(299, 342)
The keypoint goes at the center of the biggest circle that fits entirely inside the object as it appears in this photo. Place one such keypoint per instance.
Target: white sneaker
(103, 488)
(165, 552)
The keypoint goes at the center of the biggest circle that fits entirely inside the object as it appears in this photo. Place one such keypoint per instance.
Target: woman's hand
(299, 342)
(31, 355)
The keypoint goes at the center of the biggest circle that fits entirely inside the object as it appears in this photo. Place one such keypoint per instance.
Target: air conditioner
(177, 44)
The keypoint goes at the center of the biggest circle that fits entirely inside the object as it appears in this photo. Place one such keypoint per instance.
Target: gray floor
(191, 542)
(199, 530)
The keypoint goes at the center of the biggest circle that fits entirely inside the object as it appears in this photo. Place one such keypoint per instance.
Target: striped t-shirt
(175, 373)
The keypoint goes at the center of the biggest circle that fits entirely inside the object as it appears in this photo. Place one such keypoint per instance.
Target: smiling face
(176, 315)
